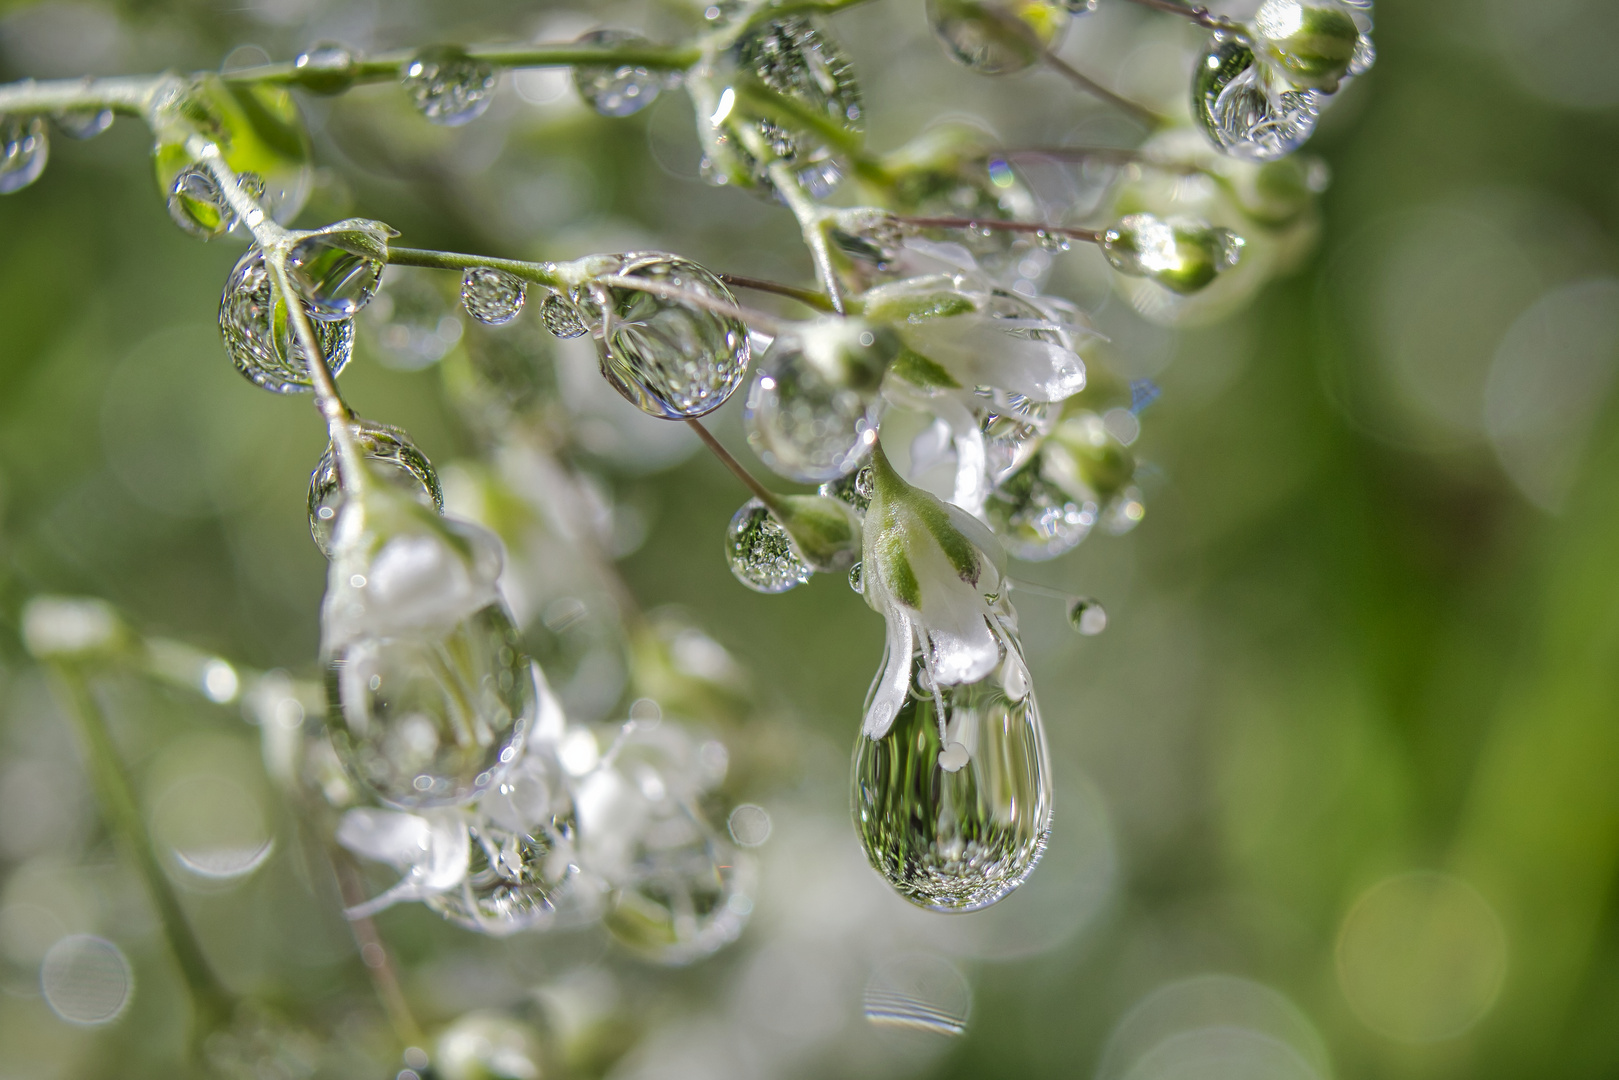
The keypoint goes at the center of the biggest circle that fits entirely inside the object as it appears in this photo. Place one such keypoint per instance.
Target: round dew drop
(670, 357)
(803, 425)
(492, 296)
(258, 335)
(1182, 254)
(394, 458)
(512, 883)
(1035, 519)
(760, 552)
(953, 803)
(562, 318)
(326, 67)
(198, 206)
(83, 123)
(23, 152)
(1245, 109)
(616, 90)
(336, 282)
(1087, 616)
(449, 87)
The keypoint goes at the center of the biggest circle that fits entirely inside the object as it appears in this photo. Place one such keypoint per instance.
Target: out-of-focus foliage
(1350, 738)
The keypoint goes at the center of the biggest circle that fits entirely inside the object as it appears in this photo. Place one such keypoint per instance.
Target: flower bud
(1182, 254)
(1311, 41)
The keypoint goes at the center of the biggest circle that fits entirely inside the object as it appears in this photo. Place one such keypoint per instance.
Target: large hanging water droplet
(998, 37)
(84, 123)
(672, 358)
(430, 717)
(760, 552)
(492, 296)
(953, 804)
(1246, 110)
(616, 89)
(449, 87)
(802, 424)
(393, 457)
(23, 151)
(326, 67)
(258, 335)
(1035, 518)
(337, 271)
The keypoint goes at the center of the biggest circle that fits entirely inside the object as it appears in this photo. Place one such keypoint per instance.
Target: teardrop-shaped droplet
(1313, 43)
(84, 123)
(617, 89)
(1036, 519)
(198, 206)
(449, 87)
(410, 323)
(393, 457)
(326, 67)
(562, 318)
(760, 552)
(998, 37)
(856, 488)
(673, 358)
(804, 425)
(258, 335)
(336, 280)
(492, 296)
(1246, 110)
(1182, 254)
(953, 803)
(23, 151)
(1086, 615)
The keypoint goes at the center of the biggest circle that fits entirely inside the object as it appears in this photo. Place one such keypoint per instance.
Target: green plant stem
(539, 273)
(751, 482)
(212, 1004)
(808, 297)
(390, 65)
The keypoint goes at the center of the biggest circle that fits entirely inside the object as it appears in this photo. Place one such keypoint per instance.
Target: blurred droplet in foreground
(750, 825)
(214, 828)
(86, 979)
(919, 992)
(1421, 957)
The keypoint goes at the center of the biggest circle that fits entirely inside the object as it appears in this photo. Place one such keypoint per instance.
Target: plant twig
(1195, 12)
(1089, 236)
(1144, 115)
(807, 297)
(751, 482)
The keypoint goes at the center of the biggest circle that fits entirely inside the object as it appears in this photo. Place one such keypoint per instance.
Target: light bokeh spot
(86, 980)
(919, 992)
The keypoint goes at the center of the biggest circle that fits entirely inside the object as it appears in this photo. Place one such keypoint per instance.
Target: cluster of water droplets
(24, 149)
(1259, 91)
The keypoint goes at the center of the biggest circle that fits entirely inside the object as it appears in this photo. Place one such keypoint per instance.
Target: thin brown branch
(751, 482)
(1195, 12)
(1089, 236)
(807, 297)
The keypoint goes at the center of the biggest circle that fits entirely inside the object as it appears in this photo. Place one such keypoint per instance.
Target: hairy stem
(211, 1003)
(751, 482)
(390, 65)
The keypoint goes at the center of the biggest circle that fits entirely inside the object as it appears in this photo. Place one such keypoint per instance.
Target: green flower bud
(1311, 41)
(1181, 254)
(826, 531)
(997, 37)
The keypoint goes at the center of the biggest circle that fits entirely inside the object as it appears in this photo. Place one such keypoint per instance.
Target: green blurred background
(1349, 740)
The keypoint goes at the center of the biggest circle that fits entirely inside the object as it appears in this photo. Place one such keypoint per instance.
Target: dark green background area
(1342, 645)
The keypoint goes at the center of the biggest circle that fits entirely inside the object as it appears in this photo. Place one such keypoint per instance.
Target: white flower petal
(894, 680)
(954, 618)
(979, 350)
(390, 836)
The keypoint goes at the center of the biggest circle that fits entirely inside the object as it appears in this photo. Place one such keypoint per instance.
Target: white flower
(934, 573)
(432, 848)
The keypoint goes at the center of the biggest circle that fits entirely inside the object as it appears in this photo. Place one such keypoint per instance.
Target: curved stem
(809, 224)
(751, 482)
(1089, 236)
(212, 1004)
(1195, 12)
(1141, 113)
(807, 297)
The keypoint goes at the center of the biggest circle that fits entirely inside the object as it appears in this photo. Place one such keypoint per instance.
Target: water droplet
(1013, 427)
(760, 553)
(797, 58)
(616, 90)
(259, 338)
(515, 878)
(1081, 7)
(1085, 614)
(326, 67)
(198, 206)
(562, 318)
(855, 488)
(84, 123)
(918, 992)
(409, 322)
(492, 296)
(956, 840)
(670, 358)
(1125, 513)
(1312, 43)
(749, 825)
(449, 87)
(857, 578)
(1053, 241)
(424, 718)
(86, 980)
(394, 458)
(23, 151)
(1246, 110)
(337, 270)
(993, 37)
(804, 425)
(1035, 518)
(1182, 254)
